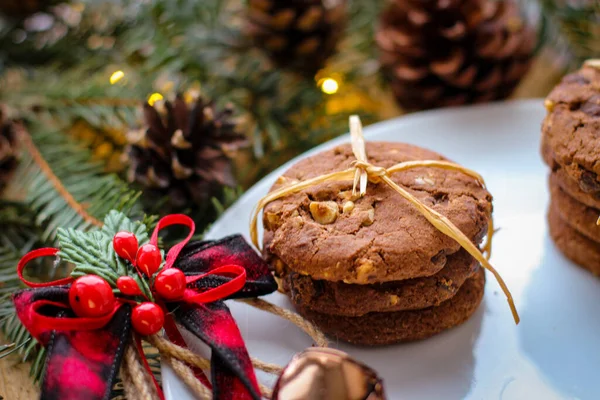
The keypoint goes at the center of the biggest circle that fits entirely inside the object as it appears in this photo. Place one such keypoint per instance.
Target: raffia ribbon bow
(362, 171)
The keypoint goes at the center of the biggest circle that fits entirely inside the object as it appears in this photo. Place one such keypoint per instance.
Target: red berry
(170, 284)
(148, 259)
(128, 286)
(147, 318)
(125, 245)
(91, 296)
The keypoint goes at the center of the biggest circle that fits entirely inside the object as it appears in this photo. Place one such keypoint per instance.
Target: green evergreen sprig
(92, 252)
(19, 235)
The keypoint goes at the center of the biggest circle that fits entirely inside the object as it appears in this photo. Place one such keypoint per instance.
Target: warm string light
(116, 77)
(329, 85)
(154, 97)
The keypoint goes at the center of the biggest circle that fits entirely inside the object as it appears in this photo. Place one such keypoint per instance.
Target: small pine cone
(183, 153)
(8, 151)
(297, 34)
(440, 53)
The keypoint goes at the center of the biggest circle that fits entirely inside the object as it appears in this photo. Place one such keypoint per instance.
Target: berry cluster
(92, 296)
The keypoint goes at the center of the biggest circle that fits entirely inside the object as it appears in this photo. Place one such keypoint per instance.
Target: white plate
(553, 354)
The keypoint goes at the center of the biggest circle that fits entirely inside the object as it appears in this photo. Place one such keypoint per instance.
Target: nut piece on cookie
(364, 272)
(273, 220)
(369, 217)
(324, 212)
(348, 207)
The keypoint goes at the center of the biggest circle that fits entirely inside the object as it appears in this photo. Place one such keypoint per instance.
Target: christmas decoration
(128, 286)
(84, 325)
(184, 153)
(91, 296)
(147, 318)
(125, 245)
(170, 284)
(323, 373)
(299, 34)
(8, 150)
(148, 259)
(438, 53)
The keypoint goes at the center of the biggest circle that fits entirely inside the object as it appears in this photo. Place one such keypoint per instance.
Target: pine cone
(298, 34)
(8, 150)
(183, 153)
(24, 8)
(440, 53)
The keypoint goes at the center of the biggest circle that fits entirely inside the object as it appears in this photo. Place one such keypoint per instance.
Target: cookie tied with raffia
(184, 151)
(439, 53)
(379, 242)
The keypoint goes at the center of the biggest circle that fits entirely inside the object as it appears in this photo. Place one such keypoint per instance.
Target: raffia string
(362, 171)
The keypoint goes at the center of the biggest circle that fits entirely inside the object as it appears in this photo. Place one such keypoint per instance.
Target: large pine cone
(440, 53)
(298, 34)
(8, 150)
(183, 154)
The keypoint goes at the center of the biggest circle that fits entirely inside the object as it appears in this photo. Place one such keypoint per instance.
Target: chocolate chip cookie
(375, 329)
(340, 298)
(573, 244)
(570, 129)
(579, 216)
(328, 234)
(570, 187)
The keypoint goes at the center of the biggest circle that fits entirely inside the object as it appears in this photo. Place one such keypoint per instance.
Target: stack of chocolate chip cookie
(571, 147)
(372, 270)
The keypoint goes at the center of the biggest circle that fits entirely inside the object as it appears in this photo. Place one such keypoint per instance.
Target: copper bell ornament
(321, 373)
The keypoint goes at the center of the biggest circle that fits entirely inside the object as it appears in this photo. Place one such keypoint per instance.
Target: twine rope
(314, 332)
(170, 349)
(139, 377)
(187, 376)
(128, 384)
(361, 172)
(138, 385)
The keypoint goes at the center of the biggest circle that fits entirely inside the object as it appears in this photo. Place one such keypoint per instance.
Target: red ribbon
(173, 219)
(192, 295)
(47, 251)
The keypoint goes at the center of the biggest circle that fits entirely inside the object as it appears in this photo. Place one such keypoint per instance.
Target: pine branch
(19, 235)
(56, 183)
(64, 188)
